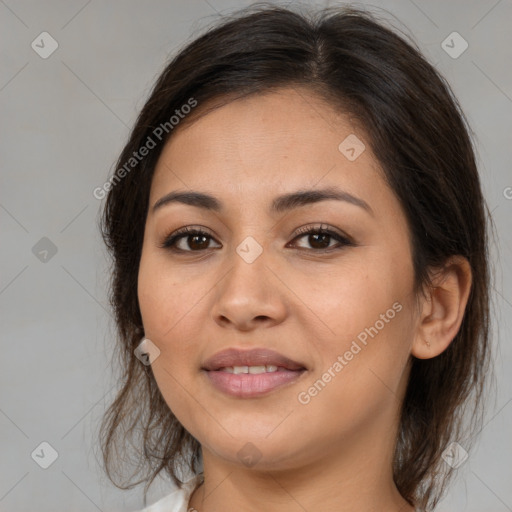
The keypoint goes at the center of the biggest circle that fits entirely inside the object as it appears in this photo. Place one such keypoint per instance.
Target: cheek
(165, 296)
(349, 297)
(166, 301)
(172, 304)
(365, 308)
(360, 374)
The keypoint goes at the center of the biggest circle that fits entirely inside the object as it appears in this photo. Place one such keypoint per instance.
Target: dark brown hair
(419, 135)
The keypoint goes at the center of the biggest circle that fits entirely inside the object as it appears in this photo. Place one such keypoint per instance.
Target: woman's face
(343, 308)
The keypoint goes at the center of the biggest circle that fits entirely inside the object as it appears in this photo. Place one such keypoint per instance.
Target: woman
(300, 278)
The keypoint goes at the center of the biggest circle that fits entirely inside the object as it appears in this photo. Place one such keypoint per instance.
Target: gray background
(64, 121)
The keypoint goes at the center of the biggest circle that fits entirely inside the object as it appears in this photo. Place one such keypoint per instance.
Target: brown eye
(197, 242)
(319, 239)
(187, 240)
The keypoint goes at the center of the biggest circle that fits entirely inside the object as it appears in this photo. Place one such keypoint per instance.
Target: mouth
(251, 373)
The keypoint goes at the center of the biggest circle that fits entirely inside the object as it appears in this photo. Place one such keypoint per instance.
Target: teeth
(257, 369)
(269, 368)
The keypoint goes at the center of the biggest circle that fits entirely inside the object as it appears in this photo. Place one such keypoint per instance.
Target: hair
(420, 136)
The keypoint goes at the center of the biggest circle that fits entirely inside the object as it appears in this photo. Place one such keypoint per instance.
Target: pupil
(324, 238)
(194, 238)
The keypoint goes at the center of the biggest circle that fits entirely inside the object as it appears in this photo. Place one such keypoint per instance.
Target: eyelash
(170, 241)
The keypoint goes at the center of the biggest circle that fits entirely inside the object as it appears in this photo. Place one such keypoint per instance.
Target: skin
(335, 452)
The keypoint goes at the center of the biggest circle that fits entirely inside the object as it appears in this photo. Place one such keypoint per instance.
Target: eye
(320, 238)
(195, 239)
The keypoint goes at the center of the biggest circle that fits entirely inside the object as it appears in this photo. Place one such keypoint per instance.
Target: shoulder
(176, 501)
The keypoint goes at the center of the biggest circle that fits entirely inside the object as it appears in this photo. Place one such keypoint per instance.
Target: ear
(442, 310)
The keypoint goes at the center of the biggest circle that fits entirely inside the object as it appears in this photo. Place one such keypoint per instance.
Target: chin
(257, 453)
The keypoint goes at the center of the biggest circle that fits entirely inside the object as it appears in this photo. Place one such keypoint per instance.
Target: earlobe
(443, 308)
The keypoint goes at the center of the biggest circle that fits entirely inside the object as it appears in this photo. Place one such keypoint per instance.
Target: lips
(255, 357)
(251, 373)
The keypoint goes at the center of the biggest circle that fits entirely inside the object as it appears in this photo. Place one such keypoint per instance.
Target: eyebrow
(280, 204)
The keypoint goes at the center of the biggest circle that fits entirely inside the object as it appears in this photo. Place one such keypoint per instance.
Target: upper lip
(253, 357)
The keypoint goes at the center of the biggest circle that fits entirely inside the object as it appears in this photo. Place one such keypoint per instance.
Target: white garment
(177, 501)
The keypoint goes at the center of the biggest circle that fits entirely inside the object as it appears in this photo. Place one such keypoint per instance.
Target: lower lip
(249, 385)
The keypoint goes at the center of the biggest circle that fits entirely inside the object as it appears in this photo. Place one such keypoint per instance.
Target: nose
(250, 295)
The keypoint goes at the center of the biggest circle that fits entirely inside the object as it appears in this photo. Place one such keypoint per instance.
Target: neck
(354, 478)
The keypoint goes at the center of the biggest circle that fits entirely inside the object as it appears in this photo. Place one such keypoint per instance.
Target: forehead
(282, 140)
